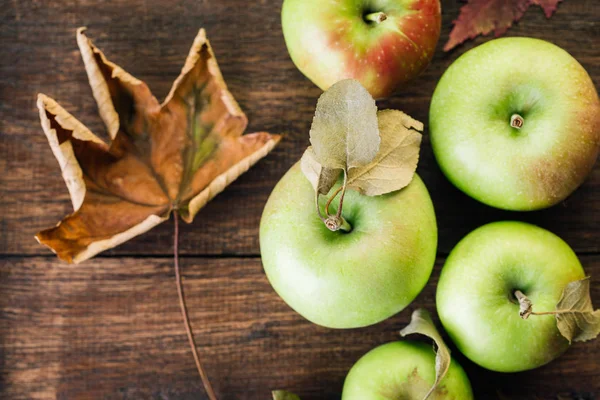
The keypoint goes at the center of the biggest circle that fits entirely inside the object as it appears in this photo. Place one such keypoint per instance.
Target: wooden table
(110, 328)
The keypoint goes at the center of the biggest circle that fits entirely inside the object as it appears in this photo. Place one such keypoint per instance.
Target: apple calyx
(576, 318)
(376, 17)
(377, 151)
(516, 121)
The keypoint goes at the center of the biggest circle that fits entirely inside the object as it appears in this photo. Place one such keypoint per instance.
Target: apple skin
(329, 40)
(474, 294)
(530, 168)
(355, 279)
(381, 373)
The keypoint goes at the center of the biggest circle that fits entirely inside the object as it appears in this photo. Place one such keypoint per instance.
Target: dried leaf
(322, 179)
(283, 395)
(163, 157)
(483, 16)
(396, 162)
(344, 132)
(421, 322)
(392, 168)
(575, 316)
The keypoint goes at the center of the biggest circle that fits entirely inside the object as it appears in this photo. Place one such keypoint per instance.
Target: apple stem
(376, 17)
(526, 307)
(524, 304)
(516, 121)
(334, 222)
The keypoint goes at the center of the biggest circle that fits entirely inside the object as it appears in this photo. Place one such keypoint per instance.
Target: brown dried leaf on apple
(483, 16)
(377, 152)
(396, 162)
(173, 156)
(393, 166)
(575, 315)
(344, 132)
(320, 177)
(422, 323)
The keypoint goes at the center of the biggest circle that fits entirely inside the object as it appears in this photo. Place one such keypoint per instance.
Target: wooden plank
(151, 38)
(111, 329)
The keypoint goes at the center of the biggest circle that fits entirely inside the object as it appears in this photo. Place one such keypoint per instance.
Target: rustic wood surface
(110, 328)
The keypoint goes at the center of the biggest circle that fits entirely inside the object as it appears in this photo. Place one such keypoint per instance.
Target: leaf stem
(186, 320)
(548, 312)
(526, 307)
(331, 199)
(345, 185)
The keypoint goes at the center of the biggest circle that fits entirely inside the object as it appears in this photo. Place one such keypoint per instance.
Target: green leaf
(575, 316)
(283, 395)
(421, 322)
(396, 162)
(344, 132)
(322, 179)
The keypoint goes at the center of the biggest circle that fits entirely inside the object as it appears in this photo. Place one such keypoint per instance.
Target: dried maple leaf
(483, 16)
(173, 156)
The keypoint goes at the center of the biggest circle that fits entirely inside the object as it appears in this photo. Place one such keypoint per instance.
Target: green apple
(354, 279)
(515, 123)
(476, 302)
(381, 43)
(403, 370)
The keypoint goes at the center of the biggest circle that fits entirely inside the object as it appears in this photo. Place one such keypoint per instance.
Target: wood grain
(40, 55)
(111, 329)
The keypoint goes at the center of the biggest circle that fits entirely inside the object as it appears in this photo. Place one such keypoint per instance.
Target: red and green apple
(380, 43)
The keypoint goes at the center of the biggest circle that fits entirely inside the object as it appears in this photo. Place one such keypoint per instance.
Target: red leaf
(483, 16)
(549, 6)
